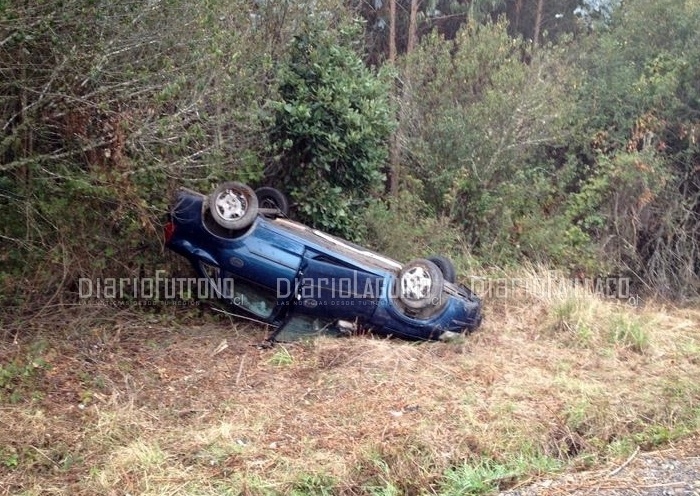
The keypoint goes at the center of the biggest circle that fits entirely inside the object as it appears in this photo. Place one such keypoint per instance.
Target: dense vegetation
(564, 134)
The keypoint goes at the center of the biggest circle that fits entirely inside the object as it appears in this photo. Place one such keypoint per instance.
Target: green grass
(485, 476)
(281, 357)
(629, 332)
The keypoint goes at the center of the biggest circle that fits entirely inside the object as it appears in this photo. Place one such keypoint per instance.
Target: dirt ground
(671, 471)
(202, 406)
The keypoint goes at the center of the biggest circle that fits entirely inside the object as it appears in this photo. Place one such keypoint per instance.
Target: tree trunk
(518, 12)
(538, 24)
(392, 31)
(394, 154)
(394, 165)
(413, 27)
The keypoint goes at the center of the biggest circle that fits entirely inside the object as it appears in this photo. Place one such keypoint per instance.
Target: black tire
(272, 198)
(446, 267)
(233, 205)
(420, 284)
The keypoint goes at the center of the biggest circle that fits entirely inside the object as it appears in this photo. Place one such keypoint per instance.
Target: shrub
(330, 129)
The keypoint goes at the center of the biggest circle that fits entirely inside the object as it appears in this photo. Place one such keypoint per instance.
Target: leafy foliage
(639, 103)
(478, 121)
(106, 109)
(331, 125)
(577, 153)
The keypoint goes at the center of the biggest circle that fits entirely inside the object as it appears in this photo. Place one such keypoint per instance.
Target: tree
(330, 129)
(641, 106)
(106, 107)
(538, 23)
(478, 118)
(413, 26)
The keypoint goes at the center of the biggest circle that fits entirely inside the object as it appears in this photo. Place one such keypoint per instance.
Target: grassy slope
(550, 383)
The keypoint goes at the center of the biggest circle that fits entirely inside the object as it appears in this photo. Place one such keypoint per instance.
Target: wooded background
(562, 132)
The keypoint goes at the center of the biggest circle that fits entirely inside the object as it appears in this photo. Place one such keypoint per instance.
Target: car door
(331, 287)
(246, 298)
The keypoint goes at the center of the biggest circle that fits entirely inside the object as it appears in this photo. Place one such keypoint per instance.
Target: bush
(477, 119)
(405, 229)
(331, 125)
(100, 129)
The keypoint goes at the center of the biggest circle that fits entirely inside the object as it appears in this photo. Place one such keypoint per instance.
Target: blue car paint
(302, 265)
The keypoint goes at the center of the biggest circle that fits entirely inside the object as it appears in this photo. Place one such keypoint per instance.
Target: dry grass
(554, 380)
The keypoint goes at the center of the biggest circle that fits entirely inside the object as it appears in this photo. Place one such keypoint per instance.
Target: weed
(9, 458)
(388, 489)
(530, 461)
(578, 315)
(620, 448)
(691, 349)
(70, 460)
(486, 474)
(657, 435)
(629, 333)
(18, 379)
(217, 453)
(282, 357)
(381, 476)
(578, 414)
(481, 477)
(314, 485)
(566, 314)
(140, 460)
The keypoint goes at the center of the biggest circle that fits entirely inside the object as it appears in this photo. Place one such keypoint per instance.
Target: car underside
(303, 281)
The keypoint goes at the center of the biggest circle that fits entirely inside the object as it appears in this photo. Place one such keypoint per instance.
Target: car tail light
(169, 230)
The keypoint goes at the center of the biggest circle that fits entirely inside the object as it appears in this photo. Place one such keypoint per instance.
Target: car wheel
(446, 267)
(420, 284)
(233, 205)
(272, 198)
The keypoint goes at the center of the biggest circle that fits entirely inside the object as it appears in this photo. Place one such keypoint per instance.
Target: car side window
(254, 298)
(249, 296)
(300, 327)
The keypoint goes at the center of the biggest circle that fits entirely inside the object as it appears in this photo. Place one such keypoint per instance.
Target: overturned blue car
(302, 281)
